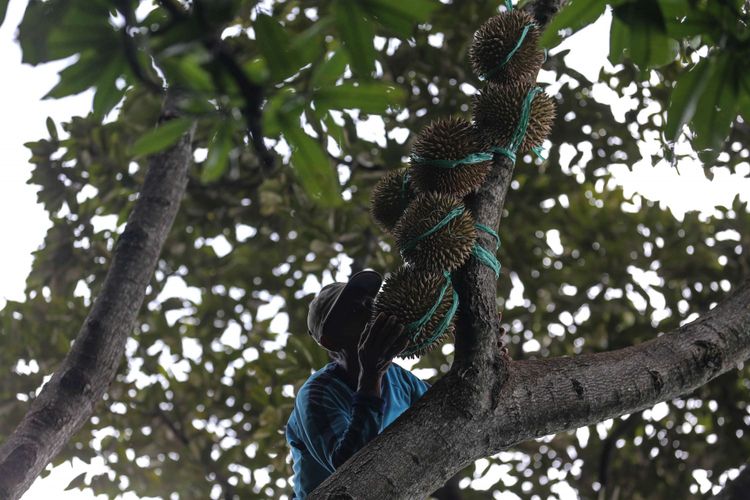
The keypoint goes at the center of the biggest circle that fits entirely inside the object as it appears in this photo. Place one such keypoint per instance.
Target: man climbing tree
(345, 404)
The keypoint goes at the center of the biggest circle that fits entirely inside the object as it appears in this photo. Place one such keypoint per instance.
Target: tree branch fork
(487, 402)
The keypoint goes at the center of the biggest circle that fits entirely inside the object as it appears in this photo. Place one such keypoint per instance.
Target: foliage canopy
(199, 408)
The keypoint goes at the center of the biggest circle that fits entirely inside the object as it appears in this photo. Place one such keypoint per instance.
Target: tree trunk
(68, 399)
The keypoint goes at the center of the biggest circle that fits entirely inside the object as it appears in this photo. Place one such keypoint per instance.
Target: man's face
(344, 328)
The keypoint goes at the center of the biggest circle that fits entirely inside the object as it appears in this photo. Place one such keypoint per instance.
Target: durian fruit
(409, 294)
(390, 197)
(497, 110)
(448, 139)
(444, 249)
(496, 39)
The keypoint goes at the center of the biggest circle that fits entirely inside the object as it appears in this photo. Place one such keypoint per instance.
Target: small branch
(177, 431)
(252, 93)
(68, 399)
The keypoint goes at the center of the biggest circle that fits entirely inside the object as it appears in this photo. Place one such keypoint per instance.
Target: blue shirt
(331, 421)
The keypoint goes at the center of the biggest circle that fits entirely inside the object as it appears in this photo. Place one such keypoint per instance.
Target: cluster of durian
(410, 202)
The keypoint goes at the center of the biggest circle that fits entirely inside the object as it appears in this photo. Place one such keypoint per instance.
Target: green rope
(523, 121)
(515, 49)
(467, 160)
(509, 5)
(485, 256)
(505, 152)
(491, 232)
(437, 227)
(416, 326)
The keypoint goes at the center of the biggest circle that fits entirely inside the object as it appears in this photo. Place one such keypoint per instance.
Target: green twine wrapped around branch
(523, 121)
(467, 160)
(485, 256)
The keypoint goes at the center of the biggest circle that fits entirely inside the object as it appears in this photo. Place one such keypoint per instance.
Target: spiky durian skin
(390, 197)
(496, 38)
(497, 109)
(448, 139)
(444, 250)
(408, 294)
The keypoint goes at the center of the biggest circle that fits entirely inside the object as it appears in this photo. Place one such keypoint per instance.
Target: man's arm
(331, 431)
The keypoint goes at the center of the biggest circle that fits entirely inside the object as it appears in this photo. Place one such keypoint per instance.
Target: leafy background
(199, 406)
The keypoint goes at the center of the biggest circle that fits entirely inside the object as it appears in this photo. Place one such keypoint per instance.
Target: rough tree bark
(68, 399)
(487, 402)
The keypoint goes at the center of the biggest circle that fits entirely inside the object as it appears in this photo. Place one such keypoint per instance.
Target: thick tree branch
(441, 434)
(68, 399)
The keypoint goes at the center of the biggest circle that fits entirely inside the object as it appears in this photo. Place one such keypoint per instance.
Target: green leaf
(3, 10)
(77, 483)
(107, 94)
(52, 128)
(310, 163)
(638, 32)
(575, 15)
(416, 10)
(682, 19)
(374, 97)
(400, 16)
(78, 77)
(273, 42)
(717, 107)
(684, 99)
(257, 70)
(188, 72)
(309, 46)
(218, 153)
(284, 106)
(161, 137)
(39, 20)
(329, 70)
(357, 34)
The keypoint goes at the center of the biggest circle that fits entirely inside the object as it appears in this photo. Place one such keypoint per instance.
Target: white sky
(25, 223)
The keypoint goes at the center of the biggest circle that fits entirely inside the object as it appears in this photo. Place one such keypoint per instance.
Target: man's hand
(380, 342)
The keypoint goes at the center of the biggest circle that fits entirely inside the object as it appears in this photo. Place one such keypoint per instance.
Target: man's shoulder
(408, 380)
(320, 376)
(320, 384)
(402, 373)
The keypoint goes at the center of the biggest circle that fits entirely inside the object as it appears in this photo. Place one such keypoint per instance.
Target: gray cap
(323, 306)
